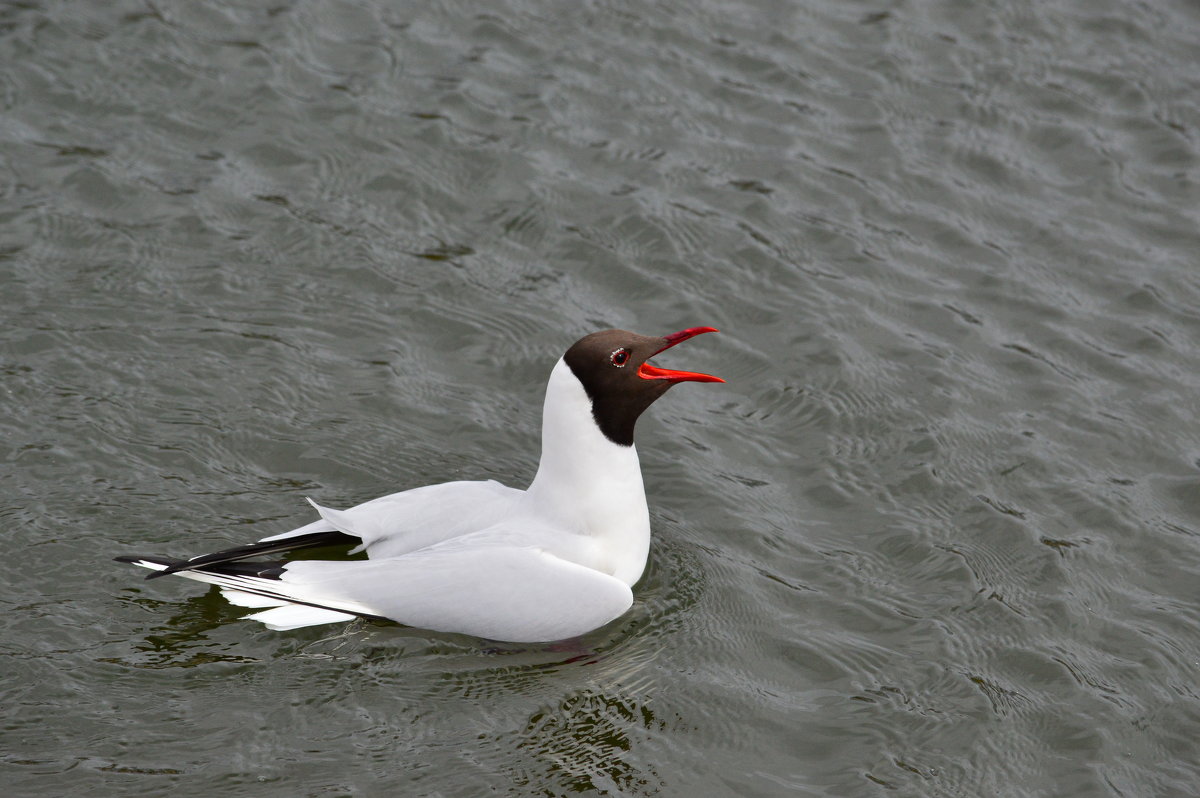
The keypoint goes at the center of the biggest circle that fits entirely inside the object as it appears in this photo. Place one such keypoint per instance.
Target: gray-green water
(939, 535)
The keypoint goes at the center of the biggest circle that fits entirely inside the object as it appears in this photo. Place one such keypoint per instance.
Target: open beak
(650, 372)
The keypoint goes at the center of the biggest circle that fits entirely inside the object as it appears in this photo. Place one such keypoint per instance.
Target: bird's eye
(619, 357)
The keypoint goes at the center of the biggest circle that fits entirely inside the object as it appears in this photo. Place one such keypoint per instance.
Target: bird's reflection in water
(588, 743)
(585, 712)
(182, 640)
(558, 718)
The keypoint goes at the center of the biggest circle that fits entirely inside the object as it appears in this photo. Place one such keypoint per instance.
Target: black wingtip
(170, 569)
(136, 559)
(206, 561)
(217, 558)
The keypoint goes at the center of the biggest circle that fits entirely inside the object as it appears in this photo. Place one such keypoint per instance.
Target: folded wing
(518, 594)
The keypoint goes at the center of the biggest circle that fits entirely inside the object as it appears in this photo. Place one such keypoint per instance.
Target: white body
(551, 562)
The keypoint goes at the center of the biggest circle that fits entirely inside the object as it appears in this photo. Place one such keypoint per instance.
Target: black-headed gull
(547, 563)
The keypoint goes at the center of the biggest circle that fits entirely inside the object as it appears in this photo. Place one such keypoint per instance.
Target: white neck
(588, 484)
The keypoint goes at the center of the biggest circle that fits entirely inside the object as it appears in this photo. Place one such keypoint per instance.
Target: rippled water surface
(938, 535)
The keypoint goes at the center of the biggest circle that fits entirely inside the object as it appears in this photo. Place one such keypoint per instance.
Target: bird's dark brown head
(614, 369)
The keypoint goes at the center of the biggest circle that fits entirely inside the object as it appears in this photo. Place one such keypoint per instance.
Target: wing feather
(518, 594)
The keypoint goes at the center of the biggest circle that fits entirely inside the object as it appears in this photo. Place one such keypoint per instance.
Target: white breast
(589, 486)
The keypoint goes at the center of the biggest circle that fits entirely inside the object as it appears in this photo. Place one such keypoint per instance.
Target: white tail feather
(244, 599)
(295, 616)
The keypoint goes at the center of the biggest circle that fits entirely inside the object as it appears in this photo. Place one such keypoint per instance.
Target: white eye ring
(613, 357)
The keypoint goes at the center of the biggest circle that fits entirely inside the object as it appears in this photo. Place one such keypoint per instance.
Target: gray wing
(413, 519)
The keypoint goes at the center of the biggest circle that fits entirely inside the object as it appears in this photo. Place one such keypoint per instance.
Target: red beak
(649, 372)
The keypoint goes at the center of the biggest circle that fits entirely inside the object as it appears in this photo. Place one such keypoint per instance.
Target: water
(939, 535)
